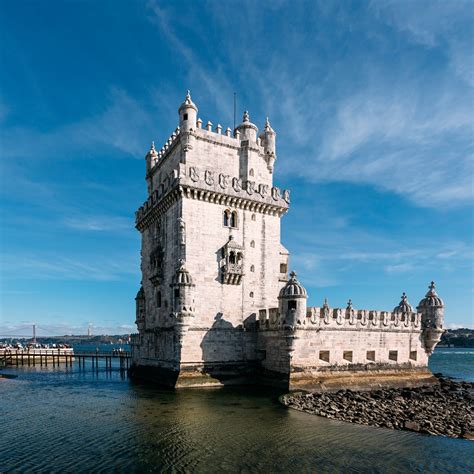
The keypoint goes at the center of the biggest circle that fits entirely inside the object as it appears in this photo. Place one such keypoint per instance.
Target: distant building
(216, 304)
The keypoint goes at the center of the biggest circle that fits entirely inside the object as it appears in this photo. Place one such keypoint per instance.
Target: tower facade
(216, 304)
(211, 255)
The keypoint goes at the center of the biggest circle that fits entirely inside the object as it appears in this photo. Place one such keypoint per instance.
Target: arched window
(254, 217)
(252, 244)
(232, 257)
(239, 258)
(158, 299)
(226, 218)
(252, 268)
(233, 219)
(251, 173)
(251, 294)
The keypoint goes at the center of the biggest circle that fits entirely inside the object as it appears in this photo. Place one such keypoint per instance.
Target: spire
(268, 128)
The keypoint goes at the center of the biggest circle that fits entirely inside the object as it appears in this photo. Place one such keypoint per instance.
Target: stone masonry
(216, 304)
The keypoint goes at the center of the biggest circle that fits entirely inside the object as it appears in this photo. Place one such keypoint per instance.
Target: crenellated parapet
(318, 318)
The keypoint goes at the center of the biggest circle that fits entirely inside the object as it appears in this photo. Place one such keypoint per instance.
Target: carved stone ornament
(237, 184)
(263, 189)
(385, 318)
(338, 316)
(286, 195)
(223, 180)
(275, 193)
(363, 317)
(193, 174)
(250, 187)
(209, 177)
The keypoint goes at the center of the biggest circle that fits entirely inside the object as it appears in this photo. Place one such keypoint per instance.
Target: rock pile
(445, 409)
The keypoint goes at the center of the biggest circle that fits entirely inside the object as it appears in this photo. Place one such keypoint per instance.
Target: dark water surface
(65, 420)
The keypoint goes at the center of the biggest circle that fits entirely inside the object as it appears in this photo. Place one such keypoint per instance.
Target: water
(65, 420)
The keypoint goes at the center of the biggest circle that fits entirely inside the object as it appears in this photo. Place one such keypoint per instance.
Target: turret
(404, 306)
(431, 308)
(183, 294)
(268, 141)
(247, 130)
(140, 309)
(292, 303)
(187, 114)
(151, 157)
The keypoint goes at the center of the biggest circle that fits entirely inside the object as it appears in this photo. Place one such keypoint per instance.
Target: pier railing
(55, 357)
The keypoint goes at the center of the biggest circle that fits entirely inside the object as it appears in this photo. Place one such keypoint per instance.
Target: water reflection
(63, 420)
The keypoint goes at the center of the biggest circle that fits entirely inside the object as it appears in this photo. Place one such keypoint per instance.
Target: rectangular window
(283, 268)
(393, 355)
(324, 355)
(413, 355)
(176, 293)
(292, 304)
(347, 355)
(185, 116)
(371, 356)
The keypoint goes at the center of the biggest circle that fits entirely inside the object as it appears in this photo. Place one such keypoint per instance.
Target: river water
(68, 420)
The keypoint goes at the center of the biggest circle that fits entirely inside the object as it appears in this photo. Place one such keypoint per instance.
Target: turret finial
(267, 125)
(293, 275)
(432, 290)
(349, 304)
(325, 304)
(246, 117)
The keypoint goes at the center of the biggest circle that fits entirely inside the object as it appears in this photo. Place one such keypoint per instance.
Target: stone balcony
(232, 274)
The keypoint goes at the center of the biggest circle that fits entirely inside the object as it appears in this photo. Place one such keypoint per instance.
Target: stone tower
(211, 253)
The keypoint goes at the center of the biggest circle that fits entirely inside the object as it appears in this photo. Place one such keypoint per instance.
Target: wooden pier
(56, 357)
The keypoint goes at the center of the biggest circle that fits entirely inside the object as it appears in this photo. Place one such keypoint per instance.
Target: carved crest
(250, 187)
(193, 174)
(263, 189)
(237, 184)
(209, 177)
(275, 193)
(286, 195)
(223, 180)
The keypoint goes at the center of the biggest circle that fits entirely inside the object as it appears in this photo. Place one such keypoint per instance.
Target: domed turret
(404, 306)
(151, 157)
(248, 130)
(431, 299)
(187, 114)
(183, 292)
(268, 139)
(292, 299)
(431, 308)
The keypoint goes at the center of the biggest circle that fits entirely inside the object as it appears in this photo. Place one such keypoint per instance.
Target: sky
(372, 103)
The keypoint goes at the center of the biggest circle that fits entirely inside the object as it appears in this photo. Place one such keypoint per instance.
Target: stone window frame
(413, 355)
(348, 355)
(230, 219)
(325, 356)
(252, 244)
(393, 356)
(252, 268)
(370, 355)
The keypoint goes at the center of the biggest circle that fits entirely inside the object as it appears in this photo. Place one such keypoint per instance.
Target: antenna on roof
(235, 106)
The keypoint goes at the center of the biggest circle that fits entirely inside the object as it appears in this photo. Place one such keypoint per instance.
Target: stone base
(334, 380)
(198, 375)
(153, 374)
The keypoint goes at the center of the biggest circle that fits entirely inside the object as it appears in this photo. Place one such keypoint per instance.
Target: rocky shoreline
(445, 409)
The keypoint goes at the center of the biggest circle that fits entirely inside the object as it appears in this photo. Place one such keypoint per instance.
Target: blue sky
(372, 103)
